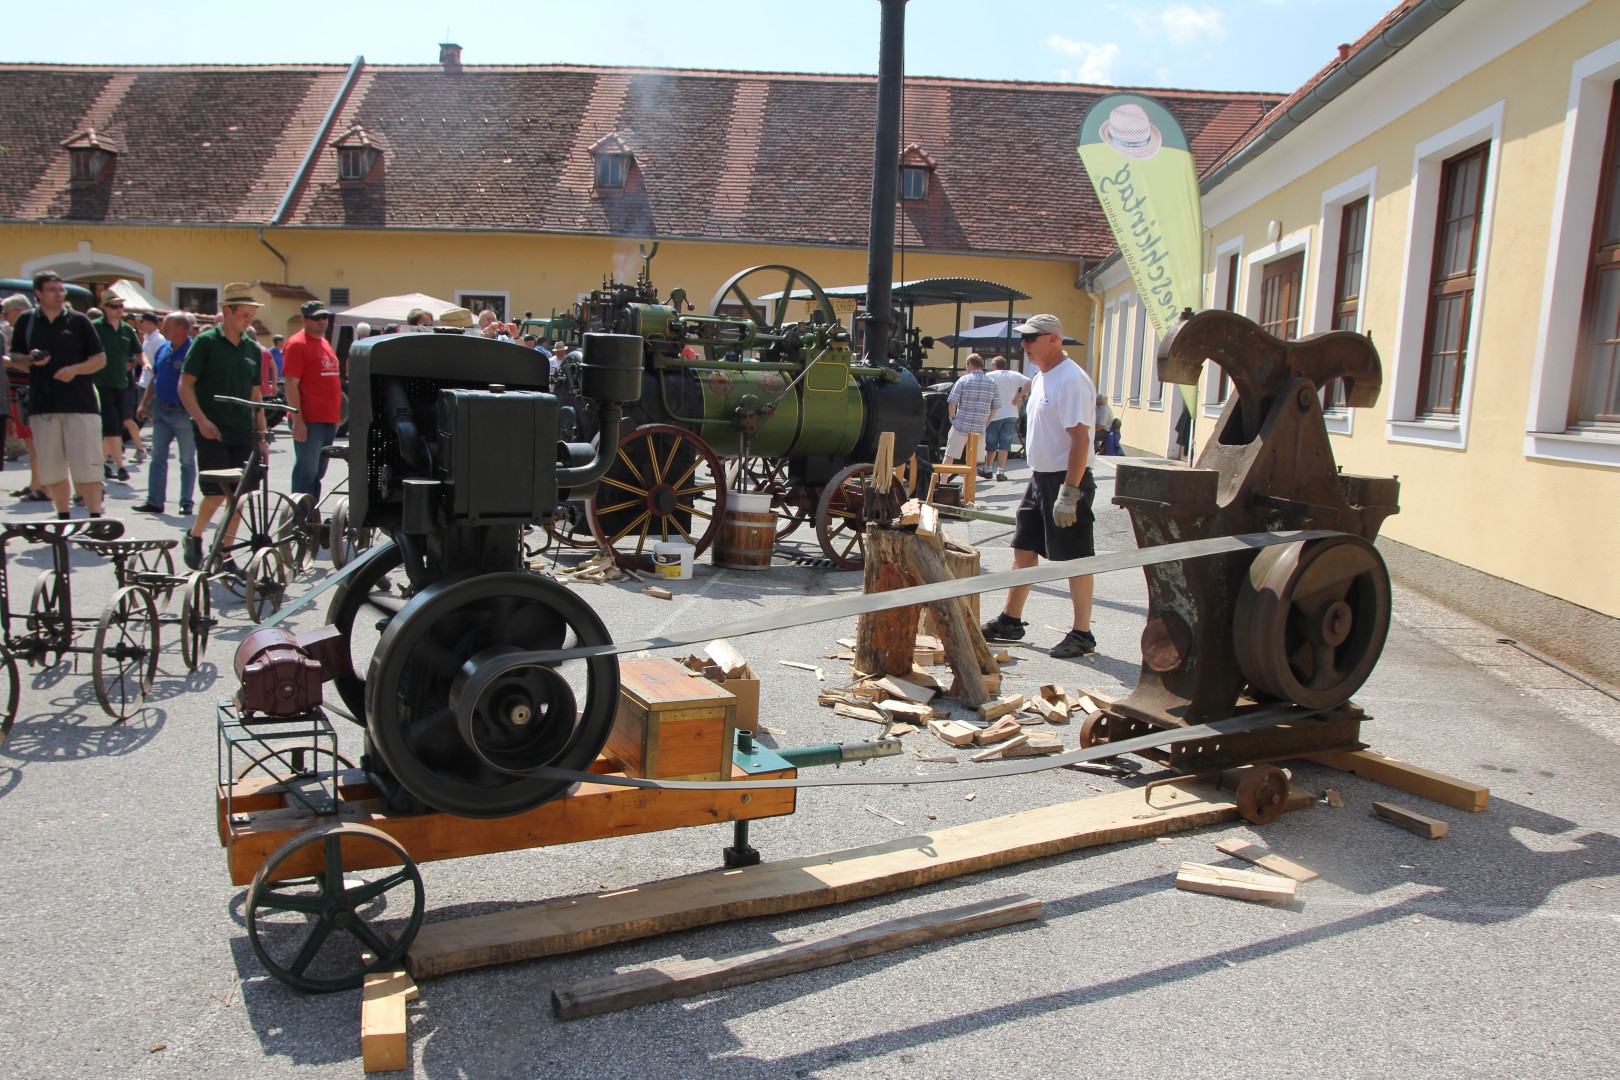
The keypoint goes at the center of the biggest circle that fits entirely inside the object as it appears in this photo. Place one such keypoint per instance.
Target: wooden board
(382, 1020)
(684, 978)
(1427, 827)
(1238, 884)
(566, 925)
(1408, 778)
(1261, 856)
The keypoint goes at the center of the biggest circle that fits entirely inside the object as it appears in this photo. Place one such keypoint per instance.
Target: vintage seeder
(491, 699)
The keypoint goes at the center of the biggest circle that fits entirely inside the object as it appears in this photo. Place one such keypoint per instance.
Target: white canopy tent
(135, 298)
(392, 309)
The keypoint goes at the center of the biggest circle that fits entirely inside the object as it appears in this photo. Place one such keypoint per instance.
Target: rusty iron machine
(779, 403)
(1300, 623)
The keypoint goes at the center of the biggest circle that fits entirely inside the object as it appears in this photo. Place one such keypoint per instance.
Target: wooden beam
(383, 1046)
(569, 924)
(1238, 884)
(1427, 827)
(1402, 776)
(685, 978)
(1262, 856)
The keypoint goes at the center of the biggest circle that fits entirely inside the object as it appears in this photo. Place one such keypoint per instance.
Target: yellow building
(1448, 186)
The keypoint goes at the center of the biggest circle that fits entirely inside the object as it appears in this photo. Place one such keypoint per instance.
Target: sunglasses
(1027, 338)
(111, 305)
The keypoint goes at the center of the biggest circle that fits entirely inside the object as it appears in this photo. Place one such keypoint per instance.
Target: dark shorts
(230, 451)
(1036, 531)
(113, 412)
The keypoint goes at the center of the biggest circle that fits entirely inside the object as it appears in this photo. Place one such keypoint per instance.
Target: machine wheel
(48, 621)
(269, 524)
(299, 763)
(125, 659)
(294, 925)
(769, 476)
(293, 522)
(780, 282)
(9, 694)
(1092, 733)
(196, 620)
(665, 484)
(839, 523)
(149, 566)
(437, 642)
(264, 583)
(1262, 794)
(1311, 619)
(344, 541)
(362, 609)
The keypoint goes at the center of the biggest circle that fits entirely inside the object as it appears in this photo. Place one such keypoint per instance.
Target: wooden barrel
(746, 540)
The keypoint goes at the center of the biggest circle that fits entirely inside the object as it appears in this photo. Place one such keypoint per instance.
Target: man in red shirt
(313, 386)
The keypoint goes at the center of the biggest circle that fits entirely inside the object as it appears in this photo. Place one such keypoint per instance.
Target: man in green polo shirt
(120, 342)
(223, 361)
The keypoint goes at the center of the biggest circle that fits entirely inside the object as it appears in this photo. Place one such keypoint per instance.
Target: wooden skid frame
(569, 924)
(262, 820)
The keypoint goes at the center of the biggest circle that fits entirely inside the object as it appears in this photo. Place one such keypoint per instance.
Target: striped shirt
(974, 396)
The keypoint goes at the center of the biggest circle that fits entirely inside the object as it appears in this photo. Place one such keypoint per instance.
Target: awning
(134, 297)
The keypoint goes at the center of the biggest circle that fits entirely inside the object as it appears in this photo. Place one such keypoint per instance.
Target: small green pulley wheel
(313, 932)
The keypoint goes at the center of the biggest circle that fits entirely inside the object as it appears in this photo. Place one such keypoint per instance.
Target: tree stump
(886, 640)
(962, 560)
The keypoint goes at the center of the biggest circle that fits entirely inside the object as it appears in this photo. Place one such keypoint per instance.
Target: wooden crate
(671, 726)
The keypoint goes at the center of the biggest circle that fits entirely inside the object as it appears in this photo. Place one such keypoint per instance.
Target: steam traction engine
(782, 403)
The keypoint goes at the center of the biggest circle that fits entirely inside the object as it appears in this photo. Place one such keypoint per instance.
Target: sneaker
(191, 552)
(984, 472)
(147, 508)
(186, 508)
(107, 470)
(1001, 476)
(1075, 643)
(140, 455)
(78, 500)
(1004, 628)
(123, 473)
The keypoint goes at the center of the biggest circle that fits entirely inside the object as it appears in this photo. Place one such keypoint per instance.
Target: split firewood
(1239, 884)
(954, 732)
(904, 688)
(990, 710)
(847, 642)
(998, 751)
(1262, 856)
(722, 652)
(897, 729)
(1427, 827)
(1000, 731)
(908, 709)
(1047, 711)
(927, 520)
(919, 677)
(1031, 746)
(1004, 657)
(658, 593)
(909, 513)
(857, 712)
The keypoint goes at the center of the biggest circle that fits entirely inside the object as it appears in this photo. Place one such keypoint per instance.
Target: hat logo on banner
(1129, 131)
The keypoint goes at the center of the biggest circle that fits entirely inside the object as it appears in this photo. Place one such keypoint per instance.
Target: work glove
(1066, 511)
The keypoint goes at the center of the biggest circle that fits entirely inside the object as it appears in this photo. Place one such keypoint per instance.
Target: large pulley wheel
(366, 602)
(664, 484)
(437, 643)
(125, 658)
(840, 515)
(314, 933)
(1311, 619)
(780, 282)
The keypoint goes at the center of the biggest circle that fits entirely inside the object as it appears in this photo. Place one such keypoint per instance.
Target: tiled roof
(774, 158)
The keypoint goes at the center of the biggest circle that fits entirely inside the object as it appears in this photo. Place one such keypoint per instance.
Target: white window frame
(1254, 269)
(1138, 344)
(1569, 250)
(504, 294)
(175, 287)
(1105, 355)
(1341, 421)
(1122, 314)
(1222, 277)
(1412, 319)
(1151, 359)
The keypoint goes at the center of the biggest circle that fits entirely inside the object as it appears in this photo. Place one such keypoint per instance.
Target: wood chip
(799, 664)
(1031, 746)
(997, 751)
(896, 707)
(860, 712)
(658, 592)
(969, 798)
(953, 732)
(1334, 799)
(881, 814)
(1000, 731)
(1238, 884)
(990, 710)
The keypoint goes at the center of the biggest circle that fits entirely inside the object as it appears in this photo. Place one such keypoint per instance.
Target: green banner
(1142, 169)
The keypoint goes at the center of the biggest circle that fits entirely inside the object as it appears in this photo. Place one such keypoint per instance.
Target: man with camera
(60, 350)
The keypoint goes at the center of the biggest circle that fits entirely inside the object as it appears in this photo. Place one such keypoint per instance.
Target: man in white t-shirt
(1054, 519)
(1012, 387)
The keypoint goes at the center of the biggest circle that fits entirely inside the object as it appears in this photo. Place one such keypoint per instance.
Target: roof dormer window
(90, 155)
(358, 153)
(612, 156)
(915, 167)
(353, 163)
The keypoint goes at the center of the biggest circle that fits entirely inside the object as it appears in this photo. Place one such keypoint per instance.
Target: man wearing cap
(1054, 518)
(119, 342)
(160, 403)
(60, 350)
(223, 362)
(313, 386)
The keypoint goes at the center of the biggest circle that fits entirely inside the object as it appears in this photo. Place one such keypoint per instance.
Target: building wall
(538, 272)
(1502, 491)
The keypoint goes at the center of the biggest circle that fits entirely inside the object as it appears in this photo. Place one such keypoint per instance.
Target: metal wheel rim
(264, 583)
(11, 695)
(337, 536)
(839, 526)
(621, 514)
(1262, 795)
(196, 620)
(356, 594)
(154, 564)
(129, 628)
(48, 620)
(333, 907)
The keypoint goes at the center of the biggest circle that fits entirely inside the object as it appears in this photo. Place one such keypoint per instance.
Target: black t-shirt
(70, 339)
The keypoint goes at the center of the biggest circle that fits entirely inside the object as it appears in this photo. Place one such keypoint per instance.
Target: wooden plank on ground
(1427, 827)
(1263, 856)
(1412, 779)
(685, 978)
(895, 686)
(382, 1020)
(566, 925)
(1238, 884)
(954, 732)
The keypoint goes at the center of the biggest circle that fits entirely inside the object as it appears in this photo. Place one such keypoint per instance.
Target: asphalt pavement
(1487, 953)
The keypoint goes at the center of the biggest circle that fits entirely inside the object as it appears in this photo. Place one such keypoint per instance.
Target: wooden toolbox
(671, 726)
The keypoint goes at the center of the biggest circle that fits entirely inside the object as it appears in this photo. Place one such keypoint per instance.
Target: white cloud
(1096, 62)
(1182, 24)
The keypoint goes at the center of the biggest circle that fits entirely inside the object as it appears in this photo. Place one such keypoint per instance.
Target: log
(962, 560)
(685, 978)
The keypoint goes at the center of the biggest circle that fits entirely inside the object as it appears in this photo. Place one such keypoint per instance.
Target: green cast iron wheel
(313, 933)
(770, 278)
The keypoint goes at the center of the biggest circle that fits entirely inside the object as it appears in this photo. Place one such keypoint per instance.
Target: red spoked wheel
(664, 484)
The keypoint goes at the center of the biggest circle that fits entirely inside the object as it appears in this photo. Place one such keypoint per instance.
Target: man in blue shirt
(170, 421)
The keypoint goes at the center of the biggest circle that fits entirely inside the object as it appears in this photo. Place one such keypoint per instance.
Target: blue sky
(1271, 45)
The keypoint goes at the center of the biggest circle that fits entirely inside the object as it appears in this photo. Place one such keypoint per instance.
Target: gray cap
(1041, 324)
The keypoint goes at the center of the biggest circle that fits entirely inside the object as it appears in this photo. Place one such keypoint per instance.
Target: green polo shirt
(223, 368)
(119, 345)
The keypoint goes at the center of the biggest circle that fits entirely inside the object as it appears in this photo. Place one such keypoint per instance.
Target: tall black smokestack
(885, 182)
